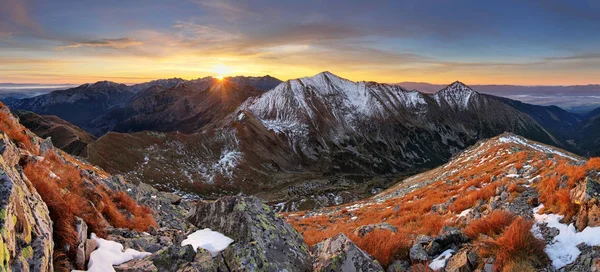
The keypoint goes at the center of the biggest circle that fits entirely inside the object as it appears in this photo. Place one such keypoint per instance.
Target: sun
(221, 70)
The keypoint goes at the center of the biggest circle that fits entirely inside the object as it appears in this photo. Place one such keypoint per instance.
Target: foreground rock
(587, 196)
(263, 241)
(26, 229)
(338, 253)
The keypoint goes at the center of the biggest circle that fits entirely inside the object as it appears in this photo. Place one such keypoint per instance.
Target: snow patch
(213, 241)
(111, 253)
(563, 249)
(440, 262)
(535, 146)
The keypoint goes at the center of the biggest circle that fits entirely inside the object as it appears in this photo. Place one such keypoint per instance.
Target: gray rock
(418, 254)
(263, 241)
(363, 230)
(399, 266)
(450, 236)
(26, 237)
(339, 254)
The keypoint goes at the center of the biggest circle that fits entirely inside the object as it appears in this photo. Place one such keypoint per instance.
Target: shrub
(516, 247)
(384, 245)
(490, 225)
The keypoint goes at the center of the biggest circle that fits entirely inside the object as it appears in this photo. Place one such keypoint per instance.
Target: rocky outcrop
(587, 195)
(465, 260)
(263, 241)
(26, 229)
(339, 253)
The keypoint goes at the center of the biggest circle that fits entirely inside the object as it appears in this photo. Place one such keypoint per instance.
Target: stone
(340, 254)
(595, 267)
(433, 248)
(80, 255)
(450, 235)
(363, 230)
(399, 266)
(137, 265)
(465, 260)
(26, 238)
(587, 195)
(263, 241)
(418, 254)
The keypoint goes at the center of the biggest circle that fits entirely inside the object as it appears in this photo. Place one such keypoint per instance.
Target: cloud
(583, 56)
(108, 43)
(16, 14)
(5, 34)
(192, 31)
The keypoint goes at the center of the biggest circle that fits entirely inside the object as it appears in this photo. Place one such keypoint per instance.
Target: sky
(538, 42)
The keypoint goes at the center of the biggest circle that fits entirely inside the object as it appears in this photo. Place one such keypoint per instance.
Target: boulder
(363, 230)
(450, 236)
(587, 195)
(417, 253)
(26, 237)
(263, 241)
(80, 253)
(465, 260)
(339, 253)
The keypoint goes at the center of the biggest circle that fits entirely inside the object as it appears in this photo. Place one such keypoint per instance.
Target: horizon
(550, 43)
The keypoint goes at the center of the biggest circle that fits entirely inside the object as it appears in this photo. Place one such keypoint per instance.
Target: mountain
(63, 134)
(264, 83)
(107, 106)
(316, 141)
(185, 107)
(578, 99)
(589, 133)
(505, 202)
(77, 105)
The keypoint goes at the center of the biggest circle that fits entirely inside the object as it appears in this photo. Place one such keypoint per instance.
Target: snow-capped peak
(457, 95)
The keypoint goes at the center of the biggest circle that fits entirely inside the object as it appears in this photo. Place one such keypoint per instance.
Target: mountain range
(306, 142)
(481, 199)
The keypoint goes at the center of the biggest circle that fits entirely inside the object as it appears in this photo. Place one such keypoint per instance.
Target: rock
(423, 239)
(595, 265)
(439, 208)
(338, 253)
(488, 267)
(363, 230)
(26, 237)
(263, 241)
(399, 266)
(169, 210)
(449, 236)
(418, 254)
(433, 248)
(80, 255)
(465, 260)
(587, 195)
(137, 265)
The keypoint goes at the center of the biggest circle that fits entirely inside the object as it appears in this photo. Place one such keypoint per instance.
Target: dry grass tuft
(491, 225)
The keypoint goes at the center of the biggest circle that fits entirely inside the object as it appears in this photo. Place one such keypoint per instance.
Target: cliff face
(26, 229)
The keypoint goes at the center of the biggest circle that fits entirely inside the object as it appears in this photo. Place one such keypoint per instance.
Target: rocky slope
(120, 226)
(63, 134)
(502, 205)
